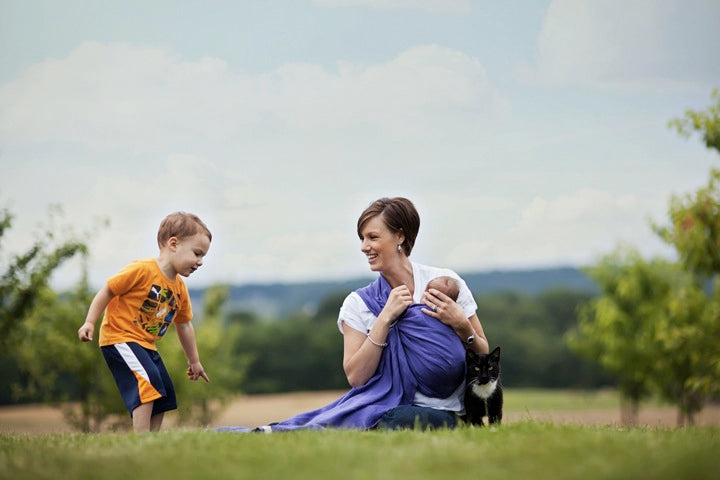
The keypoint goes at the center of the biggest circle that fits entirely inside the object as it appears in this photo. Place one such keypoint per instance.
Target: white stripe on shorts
(132, 361)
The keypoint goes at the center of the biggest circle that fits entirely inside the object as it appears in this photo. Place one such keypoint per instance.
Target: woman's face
(379, 244)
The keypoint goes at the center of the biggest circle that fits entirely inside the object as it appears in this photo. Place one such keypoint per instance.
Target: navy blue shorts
(140, 376)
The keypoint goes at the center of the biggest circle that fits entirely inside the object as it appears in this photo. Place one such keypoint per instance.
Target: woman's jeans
(412, 416)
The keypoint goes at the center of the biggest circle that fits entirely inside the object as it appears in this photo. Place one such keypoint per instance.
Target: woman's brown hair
(399, 215)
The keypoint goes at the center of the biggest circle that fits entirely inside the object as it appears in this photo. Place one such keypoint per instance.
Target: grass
(518, 450)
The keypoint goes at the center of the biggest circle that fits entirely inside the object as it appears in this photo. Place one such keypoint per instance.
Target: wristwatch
(469, 340)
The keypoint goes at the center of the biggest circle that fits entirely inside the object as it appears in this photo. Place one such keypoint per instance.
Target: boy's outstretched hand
(195, 371)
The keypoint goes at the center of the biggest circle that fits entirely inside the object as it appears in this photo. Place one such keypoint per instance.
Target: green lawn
(519, 450)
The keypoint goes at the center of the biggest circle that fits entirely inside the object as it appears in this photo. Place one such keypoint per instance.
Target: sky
(528, 133)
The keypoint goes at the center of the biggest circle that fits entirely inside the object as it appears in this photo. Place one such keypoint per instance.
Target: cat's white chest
(484, 391)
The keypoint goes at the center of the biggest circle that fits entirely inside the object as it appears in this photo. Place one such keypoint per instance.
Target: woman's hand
(398, 301)
(443, 308)
(450, 313)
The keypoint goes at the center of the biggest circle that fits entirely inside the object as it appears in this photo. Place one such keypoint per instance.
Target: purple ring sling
(423, 354)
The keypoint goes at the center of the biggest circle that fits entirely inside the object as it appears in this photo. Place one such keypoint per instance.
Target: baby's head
(447, 285)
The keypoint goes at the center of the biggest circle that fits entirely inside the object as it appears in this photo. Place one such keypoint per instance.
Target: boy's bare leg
(141, 417)
(156, 421)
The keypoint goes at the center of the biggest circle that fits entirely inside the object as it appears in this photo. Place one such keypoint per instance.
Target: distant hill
(280, 299)
(530, 282)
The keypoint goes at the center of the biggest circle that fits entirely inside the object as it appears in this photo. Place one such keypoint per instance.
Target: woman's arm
(360, 356)
(481, 344)
(361, 353)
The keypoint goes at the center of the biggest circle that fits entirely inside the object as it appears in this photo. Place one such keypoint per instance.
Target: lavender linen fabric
(423, 354)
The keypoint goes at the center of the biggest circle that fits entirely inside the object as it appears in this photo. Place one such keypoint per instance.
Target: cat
(483, 388)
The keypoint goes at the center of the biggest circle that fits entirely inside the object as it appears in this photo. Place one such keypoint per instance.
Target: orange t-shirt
(146, 302)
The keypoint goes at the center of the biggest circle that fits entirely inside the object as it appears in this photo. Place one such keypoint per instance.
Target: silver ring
(434, 308)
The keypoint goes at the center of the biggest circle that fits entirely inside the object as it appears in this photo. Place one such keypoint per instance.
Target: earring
(399, 247)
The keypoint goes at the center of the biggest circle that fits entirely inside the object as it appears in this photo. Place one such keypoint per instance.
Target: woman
(387, 231)
(404, 347)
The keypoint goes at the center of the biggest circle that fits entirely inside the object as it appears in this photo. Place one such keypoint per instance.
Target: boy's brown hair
(181, 225)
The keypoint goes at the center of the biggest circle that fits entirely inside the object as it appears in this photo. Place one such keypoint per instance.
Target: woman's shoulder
(430, 272)
(425, 273)
(354, 303)
(355, 313)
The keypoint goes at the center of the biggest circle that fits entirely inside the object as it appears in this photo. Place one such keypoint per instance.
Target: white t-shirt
(355, 314)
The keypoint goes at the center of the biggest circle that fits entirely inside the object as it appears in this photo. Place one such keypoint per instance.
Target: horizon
(372, 275)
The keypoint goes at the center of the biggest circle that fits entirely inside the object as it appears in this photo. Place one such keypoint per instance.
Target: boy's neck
(163, 261)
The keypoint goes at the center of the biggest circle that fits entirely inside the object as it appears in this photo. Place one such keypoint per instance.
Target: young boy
(140, 303)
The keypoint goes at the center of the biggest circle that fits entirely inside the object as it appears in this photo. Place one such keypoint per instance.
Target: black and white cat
(483, 389)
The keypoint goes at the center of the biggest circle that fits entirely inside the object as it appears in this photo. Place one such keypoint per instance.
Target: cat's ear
(495, 353)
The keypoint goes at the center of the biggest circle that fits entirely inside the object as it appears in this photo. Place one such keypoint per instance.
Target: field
(553, 435)
(561, 407)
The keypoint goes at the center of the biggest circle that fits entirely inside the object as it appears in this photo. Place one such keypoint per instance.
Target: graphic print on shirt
(157, 311)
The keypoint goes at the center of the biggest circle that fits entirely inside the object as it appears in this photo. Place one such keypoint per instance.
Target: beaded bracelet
(381, 345)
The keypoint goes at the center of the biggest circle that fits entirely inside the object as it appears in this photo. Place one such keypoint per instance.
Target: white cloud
(587, 205)
(572, 228)
(138, 132)
(104, 96)
(656, 43)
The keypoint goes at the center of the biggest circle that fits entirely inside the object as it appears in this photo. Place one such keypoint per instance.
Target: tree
(23, 279)
(27, 274)
(653, 325)
(694, 228)
(616, 328)
(59, 368)
(302, 352)
(683, 334)
(707, 122)
(694, 231)
(530, 330)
